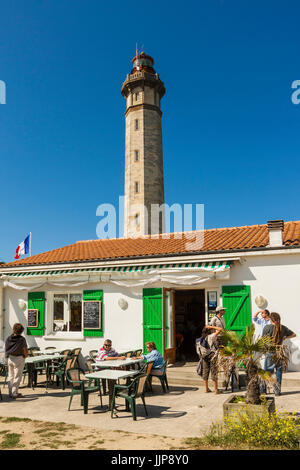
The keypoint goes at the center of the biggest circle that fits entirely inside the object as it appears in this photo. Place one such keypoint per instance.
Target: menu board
(92, 315)
(32, 318)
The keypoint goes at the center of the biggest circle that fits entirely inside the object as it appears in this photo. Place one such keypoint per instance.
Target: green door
(153, 324)
(236, 299)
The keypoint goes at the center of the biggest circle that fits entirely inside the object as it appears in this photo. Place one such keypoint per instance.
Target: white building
(153, 288)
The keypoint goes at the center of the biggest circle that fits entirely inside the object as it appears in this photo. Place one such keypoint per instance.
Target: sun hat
(219, 308)
(260, 301)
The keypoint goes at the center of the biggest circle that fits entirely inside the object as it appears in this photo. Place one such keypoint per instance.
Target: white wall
(277, 278)
(123, 327)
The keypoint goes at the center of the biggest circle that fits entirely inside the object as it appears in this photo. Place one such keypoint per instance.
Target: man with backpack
(207, 348)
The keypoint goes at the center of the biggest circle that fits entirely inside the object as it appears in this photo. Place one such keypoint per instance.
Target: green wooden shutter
(236, 299)
(37, 300)
(94, 295)
(153, 317)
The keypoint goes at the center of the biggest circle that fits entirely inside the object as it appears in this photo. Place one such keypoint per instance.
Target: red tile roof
(220, 239)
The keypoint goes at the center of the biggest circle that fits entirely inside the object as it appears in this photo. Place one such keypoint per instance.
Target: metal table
(112, 376)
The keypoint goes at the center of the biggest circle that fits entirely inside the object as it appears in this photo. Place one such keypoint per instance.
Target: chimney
(275, 228)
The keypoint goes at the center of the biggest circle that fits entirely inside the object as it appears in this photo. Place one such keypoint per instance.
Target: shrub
(278, 430)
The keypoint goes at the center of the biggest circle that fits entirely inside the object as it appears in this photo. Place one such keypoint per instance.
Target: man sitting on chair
(107, 353)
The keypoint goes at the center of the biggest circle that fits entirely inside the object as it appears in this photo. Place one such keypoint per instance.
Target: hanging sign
(92, 315)
(32, 318)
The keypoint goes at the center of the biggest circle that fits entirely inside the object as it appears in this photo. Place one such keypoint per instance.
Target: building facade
(154, 290)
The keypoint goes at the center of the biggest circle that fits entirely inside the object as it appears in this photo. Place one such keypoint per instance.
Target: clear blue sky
(231, 135)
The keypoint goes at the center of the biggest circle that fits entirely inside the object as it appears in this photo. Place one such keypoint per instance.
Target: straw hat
(260, 301)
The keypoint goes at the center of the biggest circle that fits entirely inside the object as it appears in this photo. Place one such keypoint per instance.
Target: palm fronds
(248, 350)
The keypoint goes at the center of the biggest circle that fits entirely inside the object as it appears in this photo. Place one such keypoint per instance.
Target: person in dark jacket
(279, 333)
(15, 351)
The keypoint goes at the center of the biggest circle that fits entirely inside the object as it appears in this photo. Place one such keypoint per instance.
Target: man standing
(16, 351)
(262, 320)
(218, 319)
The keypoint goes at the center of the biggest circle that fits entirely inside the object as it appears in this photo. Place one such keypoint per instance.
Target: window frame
(67, 313)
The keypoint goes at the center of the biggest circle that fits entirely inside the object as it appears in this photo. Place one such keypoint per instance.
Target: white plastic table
(112, 376)
(31, 360)
(116, 363)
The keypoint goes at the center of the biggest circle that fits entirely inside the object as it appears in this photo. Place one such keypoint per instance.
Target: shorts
(209, 366)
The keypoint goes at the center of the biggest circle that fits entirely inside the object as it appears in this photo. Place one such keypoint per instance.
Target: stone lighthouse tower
(144, 182)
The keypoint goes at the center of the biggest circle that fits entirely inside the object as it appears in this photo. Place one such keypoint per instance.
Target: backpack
(203, 349)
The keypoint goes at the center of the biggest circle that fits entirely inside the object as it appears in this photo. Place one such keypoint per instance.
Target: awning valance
(181, 274)
(216, 266)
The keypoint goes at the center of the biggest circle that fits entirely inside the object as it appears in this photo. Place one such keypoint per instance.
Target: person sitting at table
(155, 357)
(107, 353)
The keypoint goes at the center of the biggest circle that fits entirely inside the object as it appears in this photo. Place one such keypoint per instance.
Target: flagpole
(30, 244)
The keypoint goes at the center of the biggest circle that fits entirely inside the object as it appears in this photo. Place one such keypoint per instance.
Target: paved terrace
(186, 411)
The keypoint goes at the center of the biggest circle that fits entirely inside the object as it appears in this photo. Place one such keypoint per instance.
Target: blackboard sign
(32, 318)
(91, 315)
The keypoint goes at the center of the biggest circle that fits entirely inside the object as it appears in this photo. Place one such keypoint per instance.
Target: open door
(157, 320)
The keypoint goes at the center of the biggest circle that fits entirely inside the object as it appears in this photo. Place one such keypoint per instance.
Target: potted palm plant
(248, 351)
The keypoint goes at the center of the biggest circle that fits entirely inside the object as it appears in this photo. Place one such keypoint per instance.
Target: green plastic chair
(128, 354)
(32, 350)
(4, 372)
(130, 392)
(75, 353)
(51, 349)
(163, 378)
(93, 353)
(146, 369)
(59, 371)
(76, 379)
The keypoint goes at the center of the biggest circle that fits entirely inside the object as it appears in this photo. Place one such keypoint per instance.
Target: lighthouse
(144, 180)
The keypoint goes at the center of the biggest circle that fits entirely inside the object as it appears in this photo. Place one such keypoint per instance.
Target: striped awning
(216, 266)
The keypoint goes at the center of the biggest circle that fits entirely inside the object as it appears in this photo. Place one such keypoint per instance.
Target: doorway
(189, 308)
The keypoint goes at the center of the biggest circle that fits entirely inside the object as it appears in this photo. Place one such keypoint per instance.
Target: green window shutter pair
(236, 300)
(36, 300)
(94, 295)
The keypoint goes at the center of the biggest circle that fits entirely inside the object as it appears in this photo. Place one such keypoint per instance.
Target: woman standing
(279, 333)
(207, 348)
(16, 351)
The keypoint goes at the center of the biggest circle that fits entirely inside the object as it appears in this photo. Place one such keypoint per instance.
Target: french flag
(24, 247)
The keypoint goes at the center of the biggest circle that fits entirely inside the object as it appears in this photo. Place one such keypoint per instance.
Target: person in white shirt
(262, 318)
